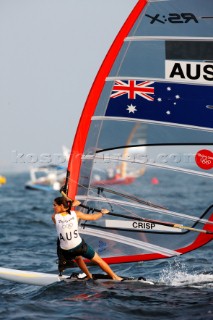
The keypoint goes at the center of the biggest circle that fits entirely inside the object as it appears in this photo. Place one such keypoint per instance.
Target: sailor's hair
(63, 201)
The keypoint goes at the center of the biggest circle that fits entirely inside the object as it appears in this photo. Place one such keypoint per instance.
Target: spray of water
(178, 274)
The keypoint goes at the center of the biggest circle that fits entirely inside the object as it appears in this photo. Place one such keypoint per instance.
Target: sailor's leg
(80, 262)
(105, 267)
(63, 262)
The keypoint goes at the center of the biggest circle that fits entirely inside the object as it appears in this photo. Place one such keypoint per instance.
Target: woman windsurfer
(72, 246)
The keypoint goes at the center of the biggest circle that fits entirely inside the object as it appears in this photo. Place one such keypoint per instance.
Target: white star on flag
(131, 108)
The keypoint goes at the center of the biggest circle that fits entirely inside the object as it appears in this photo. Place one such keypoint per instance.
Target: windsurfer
(72, 246)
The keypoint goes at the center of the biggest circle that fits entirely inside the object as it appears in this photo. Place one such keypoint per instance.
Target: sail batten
(162, 38)
(158, 165)
(146, 208)
(128, 241)
(169, 124)
(163, 80)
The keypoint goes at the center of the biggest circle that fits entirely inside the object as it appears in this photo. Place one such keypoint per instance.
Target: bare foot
(118, 278)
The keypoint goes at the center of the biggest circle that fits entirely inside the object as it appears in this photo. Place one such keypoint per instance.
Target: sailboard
(44, 279)
(158, 73)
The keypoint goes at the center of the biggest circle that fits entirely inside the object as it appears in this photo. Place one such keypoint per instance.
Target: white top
(67, 230)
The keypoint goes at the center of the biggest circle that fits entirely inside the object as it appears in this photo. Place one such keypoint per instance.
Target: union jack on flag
(132, 88)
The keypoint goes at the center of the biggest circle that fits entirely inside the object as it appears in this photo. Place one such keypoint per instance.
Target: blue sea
(183, 286)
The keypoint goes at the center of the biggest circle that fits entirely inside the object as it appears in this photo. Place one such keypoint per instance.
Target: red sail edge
(74, 164)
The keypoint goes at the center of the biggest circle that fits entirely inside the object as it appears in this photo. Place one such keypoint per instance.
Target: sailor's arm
(94, 216)
(76, 203)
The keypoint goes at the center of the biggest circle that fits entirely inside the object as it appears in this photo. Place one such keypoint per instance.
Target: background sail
(158, 75)
(123, 173)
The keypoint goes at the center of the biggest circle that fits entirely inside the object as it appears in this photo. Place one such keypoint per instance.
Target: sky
(51, 51)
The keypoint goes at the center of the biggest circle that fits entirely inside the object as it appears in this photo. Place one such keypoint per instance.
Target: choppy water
(183, 289)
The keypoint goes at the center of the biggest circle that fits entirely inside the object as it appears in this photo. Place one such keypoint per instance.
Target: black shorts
(83, 249)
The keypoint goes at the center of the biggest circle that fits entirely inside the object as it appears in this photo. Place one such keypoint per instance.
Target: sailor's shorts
(83, 249)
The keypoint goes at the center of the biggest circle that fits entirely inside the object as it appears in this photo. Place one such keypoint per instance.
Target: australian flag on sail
(162, 102)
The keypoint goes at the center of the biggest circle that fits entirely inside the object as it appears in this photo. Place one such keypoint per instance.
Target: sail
(158, 74)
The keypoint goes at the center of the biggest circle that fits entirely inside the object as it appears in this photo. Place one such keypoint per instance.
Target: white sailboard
(29, 277)
(44, 279)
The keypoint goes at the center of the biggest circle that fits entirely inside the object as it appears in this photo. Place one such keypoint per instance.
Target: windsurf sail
(158, 73)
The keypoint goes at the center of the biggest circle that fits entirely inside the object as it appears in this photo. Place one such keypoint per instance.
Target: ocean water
(183, 286)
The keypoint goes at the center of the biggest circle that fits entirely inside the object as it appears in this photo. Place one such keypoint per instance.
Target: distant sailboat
(46, 178)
